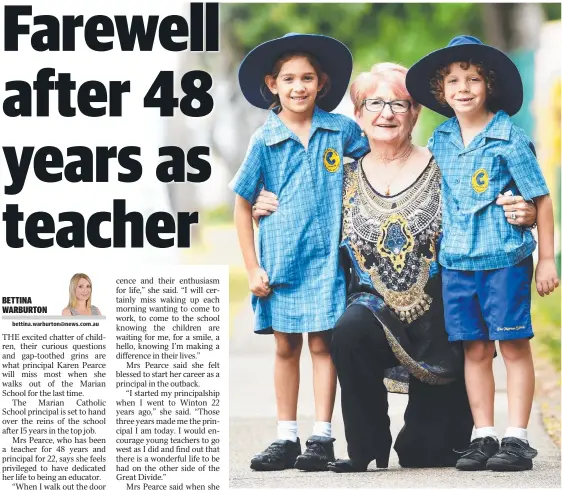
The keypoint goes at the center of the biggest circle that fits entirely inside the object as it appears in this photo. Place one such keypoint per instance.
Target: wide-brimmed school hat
(334, 57)
(509, 87)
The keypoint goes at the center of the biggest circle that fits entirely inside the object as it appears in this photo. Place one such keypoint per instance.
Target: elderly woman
(392, 335)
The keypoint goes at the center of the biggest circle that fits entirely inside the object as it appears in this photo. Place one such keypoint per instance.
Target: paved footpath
(252, 428)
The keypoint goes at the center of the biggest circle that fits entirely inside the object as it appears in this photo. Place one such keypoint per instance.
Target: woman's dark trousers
(437, 419)
(361, 353)
(436, 422)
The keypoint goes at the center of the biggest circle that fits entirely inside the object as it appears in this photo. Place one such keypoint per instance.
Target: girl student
(297, 282)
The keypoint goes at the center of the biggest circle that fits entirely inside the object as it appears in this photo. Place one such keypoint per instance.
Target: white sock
(287, 430)
(323, 429)
(484, 432)
(517, 432)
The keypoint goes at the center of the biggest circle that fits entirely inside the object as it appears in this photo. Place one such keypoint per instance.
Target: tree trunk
(513, 26)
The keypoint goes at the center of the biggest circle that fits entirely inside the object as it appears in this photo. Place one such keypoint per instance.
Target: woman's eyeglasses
(396, 106)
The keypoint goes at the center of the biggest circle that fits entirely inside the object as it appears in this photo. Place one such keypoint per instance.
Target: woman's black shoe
(280, 455)
(355, 466)
(348, 466)
(476, 456)
(382, 462)
(514, 455)
(319, 452)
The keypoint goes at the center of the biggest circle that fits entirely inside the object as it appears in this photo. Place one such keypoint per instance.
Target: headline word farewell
(50, 34)
(168, 94)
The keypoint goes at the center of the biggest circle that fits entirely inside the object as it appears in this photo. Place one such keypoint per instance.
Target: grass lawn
(545, 312)
(239, 291)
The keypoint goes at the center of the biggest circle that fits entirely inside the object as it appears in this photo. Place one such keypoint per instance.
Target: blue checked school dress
(298, 244)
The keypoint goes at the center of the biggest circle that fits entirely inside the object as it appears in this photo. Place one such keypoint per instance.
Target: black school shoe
(514, 455)
(478, 453)
(319, 452)
(280, 455)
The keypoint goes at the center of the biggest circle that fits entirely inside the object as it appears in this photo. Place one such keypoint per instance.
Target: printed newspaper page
(279, 245)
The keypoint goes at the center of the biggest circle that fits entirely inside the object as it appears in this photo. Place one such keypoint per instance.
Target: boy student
(487, 262)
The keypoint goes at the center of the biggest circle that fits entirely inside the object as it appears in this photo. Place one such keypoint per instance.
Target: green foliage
(398, 32)
(239, 291)
(218, 215)
(374, 32)
(552, 11)
(545, 312)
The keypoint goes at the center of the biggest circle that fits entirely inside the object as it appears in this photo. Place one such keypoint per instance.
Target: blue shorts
(489, 305)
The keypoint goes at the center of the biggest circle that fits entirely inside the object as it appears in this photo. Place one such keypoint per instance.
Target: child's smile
(465, 90)
(297, 85)
(299, 98)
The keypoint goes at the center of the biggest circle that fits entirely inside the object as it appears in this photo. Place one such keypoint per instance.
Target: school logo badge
(480, 180)
(331, 160)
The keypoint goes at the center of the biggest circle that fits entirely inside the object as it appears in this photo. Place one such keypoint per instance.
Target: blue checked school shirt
(476, 235)
(298, 244)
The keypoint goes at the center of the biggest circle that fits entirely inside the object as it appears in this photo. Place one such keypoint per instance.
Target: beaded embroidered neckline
(393, 238)
(416, 204)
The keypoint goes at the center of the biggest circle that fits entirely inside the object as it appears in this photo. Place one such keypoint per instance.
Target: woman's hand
(546, 276)
(259, 282)
(265, 204)
(518, 211)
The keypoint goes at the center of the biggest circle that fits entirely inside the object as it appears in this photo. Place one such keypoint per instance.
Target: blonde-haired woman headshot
(80, 297)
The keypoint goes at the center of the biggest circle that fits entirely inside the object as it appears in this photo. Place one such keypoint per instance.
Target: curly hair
(437, 83)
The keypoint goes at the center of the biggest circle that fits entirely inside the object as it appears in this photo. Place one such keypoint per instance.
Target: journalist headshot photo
(80, 297)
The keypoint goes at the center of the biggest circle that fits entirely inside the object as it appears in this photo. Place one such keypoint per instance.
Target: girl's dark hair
(437, 83)
(322, 76)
